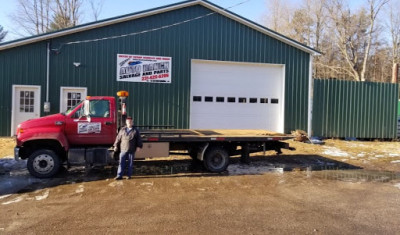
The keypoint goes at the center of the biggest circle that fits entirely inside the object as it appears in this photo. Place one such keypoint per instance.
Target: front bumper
(16, 153)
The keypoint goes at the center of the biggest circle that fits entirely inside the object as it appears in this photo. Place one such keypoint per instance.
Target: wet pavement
(15, 178)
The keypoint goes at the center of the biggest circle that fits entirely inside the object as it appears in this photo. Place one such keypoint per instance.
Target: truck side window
(77, 114)
(99, 108)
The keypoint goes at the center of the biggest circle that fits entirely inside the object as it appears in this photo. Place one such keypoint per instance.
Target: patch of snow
(44, 196)
(15, 200)
(116, 183)
(238, 169)
(80, 189)
(397, 161)
(397, 185)
(4, 196)
(394, 155)
(379, 156)
(361, 155)
(335, 152)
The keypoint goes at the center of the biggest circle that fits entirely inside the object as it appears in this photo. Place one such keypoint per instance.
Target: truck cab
(76, 136)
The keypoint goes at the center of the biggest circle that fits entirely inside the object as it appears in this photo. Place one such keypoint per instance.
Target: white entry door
(70, 96)
(25, 103)
(235, 95)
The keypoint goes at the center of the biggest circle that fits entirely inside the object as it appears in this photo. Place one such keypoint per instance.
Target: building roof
(154, 11)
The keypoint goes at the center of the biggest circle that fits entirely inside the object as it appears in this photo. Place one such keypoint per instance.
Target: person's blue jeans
(124, 158)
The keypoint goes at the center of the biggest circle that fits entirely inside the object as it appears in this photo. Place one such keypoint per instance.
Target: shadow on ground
(19, 181)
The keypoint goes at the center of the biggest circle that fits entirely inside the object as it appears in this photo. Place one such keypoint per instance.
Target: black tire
(216, 159)
(43, 163)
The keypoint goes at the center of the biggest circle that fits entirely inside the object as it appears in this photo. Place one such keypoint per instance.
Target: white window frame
(69, 87)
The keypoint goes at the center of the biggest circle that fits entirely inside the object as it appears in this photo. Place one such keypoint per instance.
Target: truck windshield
(71, 109)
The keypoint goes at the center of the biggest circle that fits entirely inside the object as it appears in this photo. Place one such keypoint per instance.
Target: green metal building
(186, 65)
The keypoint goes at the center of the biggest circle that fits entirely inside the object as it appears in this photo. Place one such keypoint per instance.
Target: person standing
(128, 142)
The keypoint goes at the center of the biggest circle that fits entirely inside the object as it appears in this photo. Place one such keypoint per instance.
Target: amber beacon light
(122, 94)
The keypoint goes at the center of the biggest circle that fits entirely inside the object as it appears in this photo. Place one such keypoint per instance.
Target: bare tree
(96, 8)
(374, 7)
(394, 29)
(353, 34)
(32, 16)
(3, 33)
(66, 14)
(278, 16)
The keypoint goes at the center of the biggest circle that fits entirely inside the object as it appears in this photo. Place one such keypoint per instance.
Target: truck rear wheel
(43, 163)
(216, 159)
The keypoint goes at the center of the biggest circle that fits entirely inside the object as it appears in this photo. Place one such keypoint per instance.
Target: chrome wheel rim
(43, 163)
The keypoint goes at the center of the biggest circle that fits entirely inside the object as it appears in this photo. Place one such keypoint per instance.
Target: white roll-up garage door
(232, 95)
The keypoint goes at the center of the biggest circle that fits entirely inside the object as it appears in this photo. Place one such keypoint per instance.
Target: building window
(231, 99)
(220, 99)
(197, 98)
(274, 101)
(72, 99)
(208, 99)
(253, 100)
(242, 100)
(27, 100)
(263, 100)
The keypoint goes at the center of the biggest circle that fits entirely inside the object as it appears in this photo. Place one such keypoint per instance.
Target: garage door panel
(255, 85)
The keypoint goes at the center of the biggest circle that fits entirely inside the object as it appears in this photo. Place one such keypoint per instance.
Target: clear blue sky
(252, 9)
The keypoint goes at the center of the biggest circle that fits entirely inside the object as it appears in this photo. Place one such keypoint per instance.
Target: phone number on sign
(144, 78)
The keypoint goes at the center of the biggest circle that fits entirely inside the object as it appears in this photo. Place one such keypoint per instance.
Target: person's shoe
(128, 178)
(118, 178)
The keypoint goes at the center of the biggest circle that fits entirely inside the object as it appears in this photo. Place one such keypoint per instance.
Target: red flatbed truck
(84, 135)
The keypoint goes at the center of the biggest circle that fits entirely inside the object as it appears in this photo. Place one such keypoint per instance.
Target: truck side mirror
(86, 108)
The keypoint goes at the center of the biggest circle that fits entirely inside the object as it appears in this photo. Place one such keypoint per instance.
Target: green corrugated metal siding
(354, 109)
(20, 66)
(215, 37)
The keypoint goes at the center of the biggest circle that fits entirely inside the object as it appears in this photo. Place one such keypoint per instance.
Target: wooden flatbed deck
(213, 135)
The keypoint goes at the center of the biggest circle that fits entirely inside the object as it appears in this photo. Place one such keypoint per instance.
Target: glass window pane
(21, 101)
(253, 100)
(99, 108)
(274, 101)
(31, 94)
(242, 100)
(208, 99)
(197, 98)
(220, 99)
(231, 99)
(31, 101)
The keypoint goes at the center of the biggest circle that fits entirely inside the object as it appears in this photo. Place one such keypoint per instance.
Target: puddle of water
(16, 181)
(357, 175)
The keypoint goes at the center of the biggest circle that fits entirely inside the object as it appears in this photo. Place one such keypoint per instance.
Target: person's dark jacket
(128, 141)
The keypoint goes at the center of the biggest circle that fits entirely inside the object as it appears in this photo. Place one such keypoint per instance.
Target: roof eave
(159, 10)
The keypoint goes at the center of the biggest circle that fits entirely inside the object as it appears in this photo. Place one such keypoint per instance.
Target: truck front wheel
(43, 163)
(216, 159)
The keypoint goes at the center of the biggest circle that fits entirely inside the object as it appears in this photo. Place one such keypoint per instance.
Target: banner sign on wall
(143, 68)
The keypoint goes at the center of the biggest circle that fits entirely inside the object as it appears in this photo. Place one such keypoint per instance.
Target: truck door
(98, 128)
